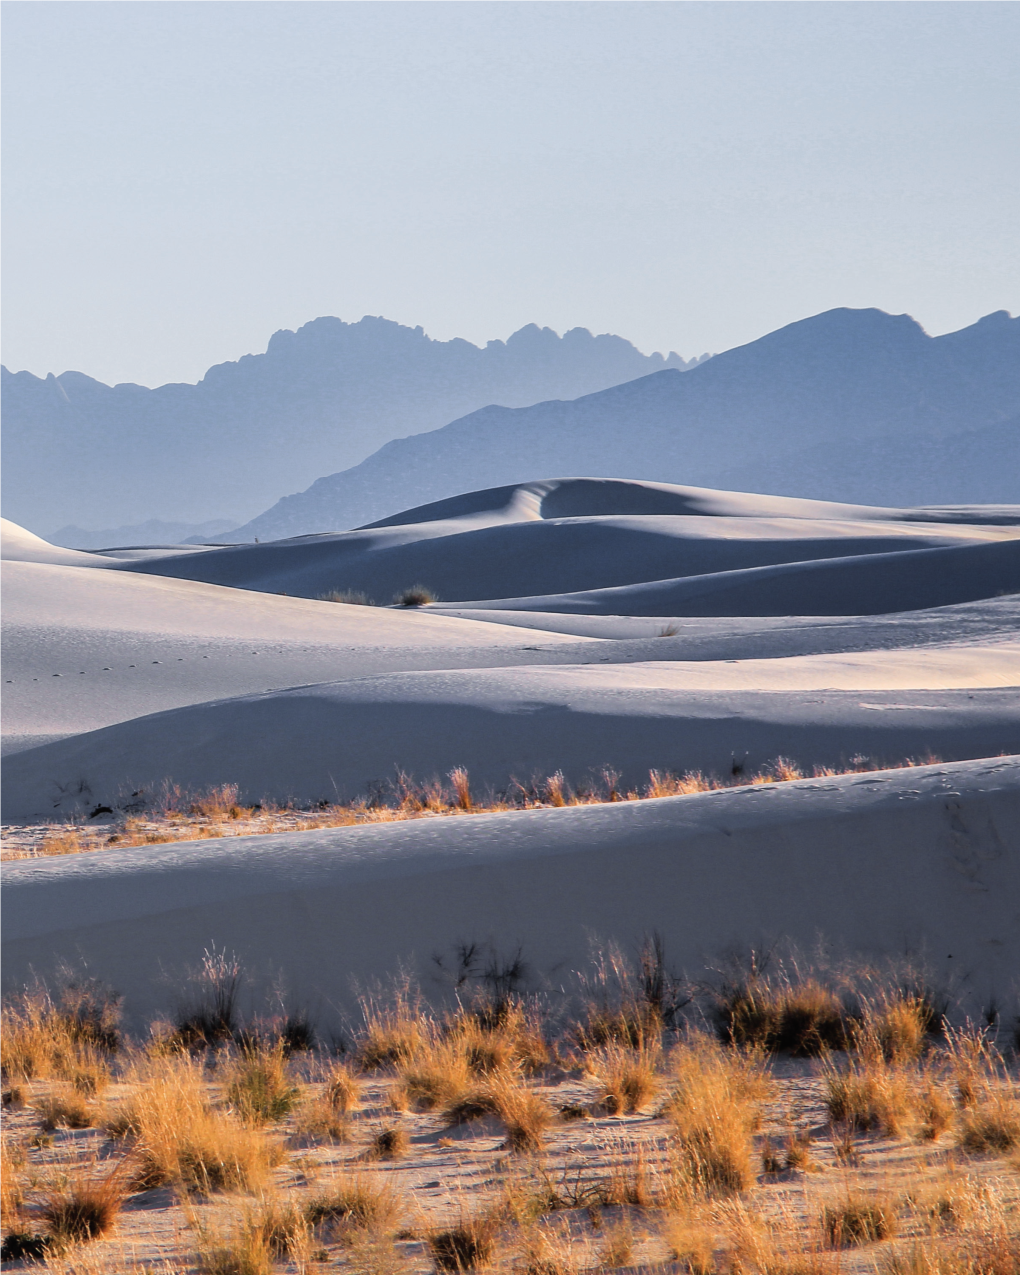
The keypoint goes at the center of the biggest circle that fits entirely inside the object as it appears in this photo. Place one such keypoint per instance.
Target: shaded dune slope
(342, 740)
(571, 535)
(923, 862)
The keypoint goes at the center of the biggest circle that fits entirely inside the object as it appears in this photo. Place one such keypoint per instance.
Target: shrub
(209, 1013)
(20, 1246)
(416, 596)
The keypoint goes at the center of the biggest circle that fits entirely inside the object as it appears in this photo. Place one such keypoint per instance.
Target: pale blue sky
(182, 179)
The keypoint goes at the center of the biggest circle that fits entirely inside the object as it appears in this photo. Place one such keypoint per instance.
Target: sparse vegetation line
(171, 814)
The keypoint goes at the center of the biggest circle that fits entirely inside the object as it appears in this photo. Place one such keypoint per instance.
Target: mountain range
(850, 405)
(82, 456)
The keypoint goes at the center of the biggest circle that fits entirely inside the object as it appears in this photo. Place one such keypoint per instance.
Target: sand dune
(570, 535)
(589, 497)
(923, 862)
(863, 584)
(345, 739)
(83, 649)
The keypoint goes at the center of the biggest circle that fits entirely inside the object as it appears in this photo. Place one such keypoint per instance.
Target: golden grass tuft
(464, 1247)
(525, 1115)
(180, 1139)
(391, 1143)
(802, 1018)
(65, 1111)
(85, 1208)
(991, 1126)
(394, 1032)
(69, 1034)
(353, 1203)
(437, 1076)
(858, 1220)
(868, 1097)
(628, 1078)
(714, 1110)
(342, 1089)
(258, 1087)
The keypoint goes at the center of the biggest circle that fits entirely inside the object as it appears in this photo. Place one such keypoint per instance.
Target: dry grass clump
(207, 1014)
(858, 1220)
(65, 1111)
(342, 1089)
(997, 1254)
(436, 1076)
(179, 1138)
(351, 597)
(391, 1143)
(991, 1126)
(258, 1087)
(663, 783)
(714, 1111)
(466, 1246)
(627, 1004)
(525, 1114)
(67, 840)
(868, 1097)
(802, 1018)
(497, 1032)
(628, 1078)
(85, 1208)
(395, 1031)
(894, 1027)
(70, 1033)
(354, 1203)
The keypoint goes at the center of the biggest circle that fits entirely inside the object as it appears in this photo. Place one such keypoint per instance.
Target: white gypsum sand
(831, 633)
(922, 862)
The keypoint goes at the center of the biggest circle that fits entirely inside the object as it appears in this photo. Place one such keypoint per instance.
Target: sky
(182, 179)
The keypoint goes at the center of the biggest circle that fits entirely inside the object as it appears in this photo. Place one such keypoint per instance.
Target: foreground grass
(500, 1134)
(175, 815)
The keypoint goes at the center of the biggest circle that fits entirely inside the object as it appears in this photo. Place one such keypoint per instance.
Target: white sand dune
(576, 497)
(19, 545)
(922, 863)
(346, 739)
(83, 649)
(861, 584)
(459, 560)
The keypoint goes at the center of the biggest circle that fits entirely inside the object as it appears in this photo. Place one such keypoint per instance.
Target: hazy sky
(182, 179)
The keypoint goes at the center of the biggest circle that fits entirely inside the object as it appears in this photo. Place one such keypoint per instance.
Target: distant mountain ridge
(81, 453)
(850, 405)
